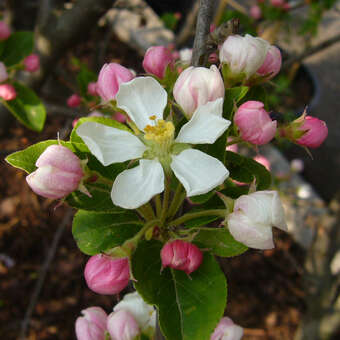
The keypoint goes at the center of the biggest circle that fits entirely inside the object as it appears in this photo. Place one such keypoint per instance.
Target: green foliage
(220, 242)
(233, 190)
(189, 307)
(245, 169)
(256, 93)
(27, 107)
(170, 20)
(232, 97)
(18, 46)
(84, 77)
(97, 232)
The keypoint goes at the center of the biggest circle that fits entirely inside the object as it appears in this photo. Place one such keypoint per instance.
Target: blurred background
(290, 292)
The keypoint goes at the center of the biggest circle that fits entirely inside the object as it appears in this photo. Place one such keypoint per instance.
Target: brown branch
(204, 20)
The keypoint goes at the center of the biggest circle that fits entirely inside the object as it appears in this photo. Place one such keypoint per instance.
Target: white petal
(110, 145)
(198, 172)
(246, 231)
(142, 98)
(135, 187)
(206, 124)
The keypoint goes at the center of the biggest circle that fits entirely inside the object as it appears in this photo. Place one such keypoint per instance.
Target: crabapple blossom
(243, 55)
(107, 275)
(5, 31)
(181, 255)
(197, 86)
(144, 99)
(254, 123)
(59, 173)
(316, 132)
(254, 216)
(144, 314)
(7, 92)
(92, 325)
(227, 330)
(121, 325)
(74, 100)
(3, 72)
(156, 60)
(32, 63)
(272, 64)
(111, 76)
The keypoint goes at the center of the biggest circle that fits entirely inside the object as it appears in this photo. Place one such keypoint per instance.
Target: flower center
(160, 133)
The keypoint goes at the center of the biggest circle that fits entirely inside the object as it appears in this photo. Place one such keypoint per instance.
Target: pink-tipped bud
(107, 275)
(59, 173)
(3, 72)
(5, 31)
(197, 86)
(263, 160)
(156, 59)
(91, 326)
(7, 92)
(181, 255)
(32, 63)
(74, 101)
(316, 132)
(254, 123)
(255, 12)
(272, 64)
(122, 326)
(232, 147)
(119, 117)
(109, 79)
(92, 89)
(277, 3)
(227, 330)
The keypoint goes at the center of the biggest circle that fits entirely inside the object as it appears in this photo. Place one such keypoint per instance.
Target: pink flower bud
(254, 123)
(122, 326)
(156, 59)
(119, 117)
(59, 173)
(272, 64)
(91, 326)
(212, 28)
(197, 86)
(263, 160)
(95, 114)
(232, 147)
(227, 330)
(5, 31)
(277, 3)
(7, 92)
(3, 72)
(32, 63)
(109, 79)
(92, 89)
(74, 100)
(181, 255)
(255, 12)
(316, 132)
(107, 275)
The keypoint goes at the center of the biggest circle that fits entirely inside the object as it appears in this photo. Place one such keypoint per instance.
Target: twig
(39, 284)
(298, 58)
(204, 19)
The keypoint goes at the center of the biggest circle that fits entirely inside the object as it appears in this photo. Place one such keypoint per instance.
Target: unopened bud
(255, 12)
(316, 132)
(227, 330)
(32, 63)
(156, 60)
(3, 72)
(7, 92)
(91, 326)
(272, 64)
(92, 88)
(74, 101)
(5, 31)
(122, 326)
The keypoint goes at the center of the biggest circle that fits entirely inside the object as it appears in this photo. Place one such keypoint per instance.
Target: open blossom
(254, 216)
(92, 325)
(244, 54)
(197, 86)
(181, 255)
(107, 275)
(272, 64)
(144, 314)
(227, 330)
(144, 100)
(3, 72)
(156, 59)
(121, 325)
(254, 123)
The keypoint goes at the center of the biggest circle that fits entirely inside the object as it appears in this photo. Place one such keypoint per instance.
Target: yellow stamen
(162, 132)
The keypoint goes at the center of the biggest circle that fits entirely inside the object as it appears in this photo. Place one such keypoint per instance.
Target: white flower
(253, 218)
(144, 100)
(144, 314)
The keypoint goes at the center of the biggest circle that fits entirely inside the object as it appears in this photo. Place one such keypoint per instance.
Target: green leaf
(256, 93)
(232, 96)
(189, 307)
(244, 169)
(84, 77)
(233, 190)
(199, 199)
(25, 159)
(27, 108)
(96, 232)
(220, 242)
(18, 46)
